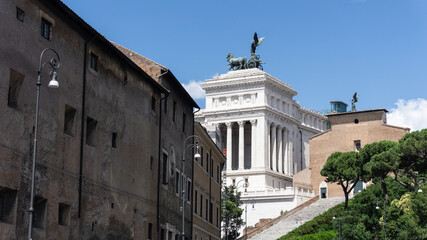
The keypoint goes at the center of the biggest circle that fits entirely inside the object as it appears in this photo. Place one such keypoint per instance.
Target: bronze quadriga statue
(241, 62)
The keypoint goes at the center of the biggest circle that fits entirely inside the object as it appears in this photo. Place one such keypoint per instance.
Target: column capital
(272, 124)
(228, 124)
(241, 123)
(253, 121)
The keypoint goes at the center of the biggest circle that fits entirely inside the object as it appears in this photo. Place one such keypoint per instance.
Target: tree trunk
(346, 200)
(344, 188)
(384, 187)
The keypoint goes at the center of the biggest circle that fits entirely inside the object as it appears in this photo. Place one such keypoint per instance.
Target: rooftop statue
(353, 101)
(241, 62)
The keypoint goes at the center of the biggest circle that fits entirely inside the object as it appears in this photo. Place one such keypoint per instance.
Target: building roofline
(169, 72)
(363, 111)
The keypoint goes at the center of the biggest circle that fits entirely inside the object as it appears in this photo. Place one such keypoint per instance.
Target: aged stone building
(264, 133)
(177, 123)
(101, 166)
(350, 131)
(207, 187)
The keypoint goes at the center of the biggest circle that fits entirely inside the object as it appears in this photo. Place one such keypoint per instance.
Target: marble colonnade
(278, 147)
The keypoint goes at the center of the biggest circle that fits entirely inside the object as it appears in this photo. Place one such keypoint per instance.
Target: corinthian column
(241, 145)
(253, 142)
(229, 144)
(273, 146)
(280, 146)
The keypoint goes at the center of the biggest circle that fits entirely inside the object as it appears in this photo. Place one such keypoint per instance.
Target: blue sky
(325, 49)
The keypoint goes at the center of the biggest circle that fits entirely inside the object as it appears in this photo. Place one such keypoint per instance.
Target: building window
(153, 103)
(357, 145)
(201, 156)
(165, 169)
(15, 83)
(174, 111)
(207, 209)
(7, 204)
(69, 115)
(39, 215)
(212, 162)
(91, 131)
(207, 162)
(150, 231)
(162, 234)
(20, 14)
(114, 140)
(211, 212)
(177, 183)
(46, 29)
(183, 121)
(63, 214)
(93, 61)
(201, 205)
(188, 190)
(195, 201)
(217, 216)
(217, 173)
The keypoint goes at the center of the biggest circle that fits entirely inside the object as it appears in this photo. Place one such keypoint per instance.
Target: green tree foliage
(345, 169)
(231, 221)
(413, 159)
(407, 217)
(380, 159)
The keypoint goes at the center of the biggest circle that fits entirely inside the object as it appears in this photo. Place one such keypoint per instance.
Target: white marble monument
(264, 133)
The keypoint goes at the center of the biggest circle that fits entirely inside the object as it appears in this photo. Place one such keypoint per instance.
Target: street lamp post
(300, 226)
(339, 225)
(237, 190)
(54, 63)
(252, 201)
(384, 222)
(196, 156)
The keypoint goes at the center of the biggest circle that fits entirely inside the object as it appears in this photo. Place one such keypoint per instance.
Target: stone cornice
(245, 78)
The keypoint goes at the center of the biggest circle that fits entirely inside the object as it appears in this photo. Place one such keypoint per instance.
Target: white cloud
(194, 89)
(410, 113)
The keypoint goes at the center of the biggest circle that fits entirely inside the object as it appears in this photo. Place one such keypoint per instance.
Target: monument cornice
(245, 78)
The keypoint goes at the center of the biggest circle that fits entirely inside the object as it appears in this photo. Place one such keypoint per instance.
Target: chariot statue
(242, 62)
(353, 101)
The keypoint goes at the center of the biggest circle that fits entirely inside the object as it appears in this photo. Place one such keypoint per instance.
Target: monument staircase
(292, 219)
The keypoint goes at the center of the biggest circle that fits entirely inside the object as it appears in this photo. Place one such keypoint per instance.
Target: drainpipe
(300, 132)
(192, 178)
(82, 124)
(159, 157)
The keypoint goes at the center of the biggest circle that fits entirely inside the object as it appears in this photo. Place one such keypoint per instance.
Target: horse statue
(236, 63)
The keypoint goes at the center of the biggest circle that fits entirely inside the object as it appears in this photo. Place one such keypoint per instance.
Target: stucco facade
(207, 188)
(177, 127)
(100, 160)
(349, 132)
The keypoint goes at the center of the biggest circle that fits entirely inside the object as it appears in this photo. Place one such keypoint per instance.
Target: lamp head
(54, 83)
(197, 155)
(419, 189)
